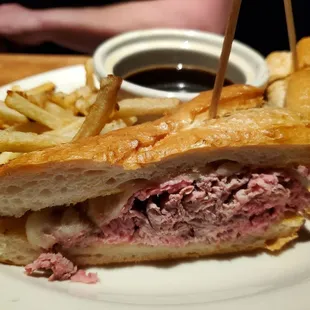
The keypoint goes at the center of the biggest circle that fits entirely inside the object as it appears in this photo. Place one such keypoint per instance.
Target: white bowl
(133, 50)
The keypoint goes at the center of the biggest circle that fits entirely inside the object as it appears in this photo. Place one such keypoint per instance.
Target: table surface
(17, 66)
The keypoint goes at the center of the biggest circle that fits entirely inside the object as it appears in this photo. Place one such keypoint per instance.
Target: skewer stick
(228, 40)
(291, 31)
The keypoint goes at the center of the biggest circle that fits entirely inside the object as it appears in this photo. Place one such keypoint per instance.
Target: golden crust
(298, 92)
(186, 130)
(116, 146)
(281, 75)
(276, 94)
(186, 139)
(258, 128)
(279, 64)
(265, 129)
(303, 53)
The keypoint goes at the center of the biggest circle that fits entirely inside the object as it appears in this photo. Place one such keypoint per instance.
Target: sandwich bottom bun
(15, 249)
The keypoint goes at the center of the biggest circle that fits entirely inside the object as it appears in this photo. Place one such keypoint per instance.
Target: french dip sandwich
(178, 187)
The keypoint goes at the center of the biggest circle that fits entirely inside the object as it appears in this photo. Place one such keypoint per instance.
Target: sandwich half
(178, 187)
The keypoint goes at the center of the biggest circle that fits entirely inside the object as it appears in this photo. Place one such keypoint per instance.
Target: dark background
(261, 23)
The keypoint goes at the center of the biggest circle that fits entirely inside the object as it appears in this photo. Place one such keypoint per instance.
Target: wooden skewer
(226, 49)
(291, 31)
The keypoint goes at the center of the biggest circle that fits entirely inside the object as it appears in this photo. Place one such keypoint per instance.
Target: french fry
(92, 98)
(100, 111)
(23, 142)
(59, 98)
(70, 99)
(114, 125)
(16, 88)
(46, 87)
(145, 106)
(69, 130)
(24, 106)
(64, 139)
(83, 105)
(66, 115)
(38, 99)
(130, 120)
(5, 157)
(84, 92)
(11, 116)
(89, 70)
(40, 117)
(28, 127)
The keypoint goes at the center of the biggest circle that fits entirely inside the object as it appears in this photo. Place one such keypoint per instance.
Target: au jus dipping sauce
(178, 78)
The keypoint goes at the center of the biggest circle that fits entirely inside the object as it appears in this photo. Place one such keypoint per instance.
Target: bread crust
(298, 92)
(276, 94)
(74, 172)
(303, 53)
(285, 87)
(279, 64)
(138, 146)
(115, 146)
(293, 92)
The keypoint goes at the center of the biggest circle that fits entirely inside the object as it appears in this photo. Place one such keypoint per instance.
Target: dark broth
(173, 78)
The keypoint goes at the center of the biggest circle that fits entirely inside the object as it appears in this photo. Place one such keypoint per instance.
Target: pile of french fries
(42, 117)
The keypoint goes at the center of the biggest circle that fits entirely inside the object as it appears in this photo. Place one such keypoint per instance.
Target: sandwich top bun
(92, 167)
(187, 139)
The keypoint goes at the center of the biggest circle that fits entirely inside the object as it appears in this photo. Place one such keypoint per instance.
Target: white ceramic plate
(252, 282)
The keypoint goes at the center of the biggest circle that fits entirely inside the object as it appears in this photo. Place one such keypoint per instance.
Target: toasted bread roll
(303, 53)
(276, 94)
(279, 65)
(298, 92)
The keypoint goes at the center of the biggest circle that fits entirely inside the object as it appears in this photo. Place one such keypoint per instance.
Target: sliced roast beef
(210, 208)
(223, 204)
(207, 206)
(61, 268)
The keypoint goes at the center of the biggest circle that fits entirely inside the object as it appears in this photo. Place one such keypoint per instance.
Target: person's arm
(83, 29)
